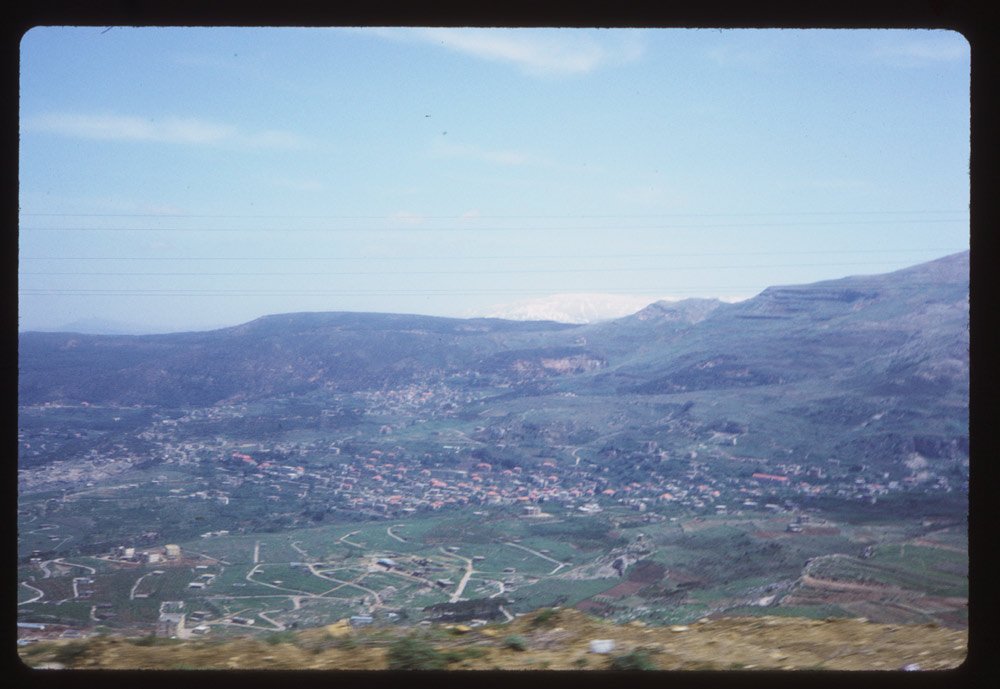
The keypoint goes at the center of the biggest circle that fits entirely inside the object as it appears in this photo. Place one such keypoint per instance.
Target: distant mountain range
(870, 361)
(101, 326)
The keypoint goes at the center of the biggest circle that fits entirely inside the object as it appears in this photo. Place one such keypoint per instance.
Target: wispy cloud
(737, 55)
(924, 47)
(176, 130)
(539, 52)
(90, 204)
(272, 138)
(497, 156)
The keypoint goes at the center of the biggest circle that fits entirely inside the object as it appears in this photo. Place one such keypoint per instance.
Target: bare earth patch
(561, 642)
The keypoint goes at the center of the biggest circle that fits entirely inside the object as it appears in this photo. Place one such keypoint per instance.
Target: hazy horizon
(547, 308)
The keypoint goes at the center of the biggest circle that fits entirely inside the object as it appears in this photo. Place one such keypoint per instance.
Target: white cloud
(920, 48)
(548, 52)
(740, 56)
(499, 156)
(178, 130)
(188, 130)
(273, 138)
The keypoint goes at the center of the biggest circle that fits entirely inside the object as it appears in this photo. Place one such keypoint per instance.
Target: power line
(241, 292)
(479, 217)
(660, 289)
(412, 229)
(462, 272)
(486, 258)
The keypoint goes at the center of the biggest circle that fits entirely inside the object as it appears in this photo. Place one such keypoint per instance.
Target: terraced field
(900, 582)
(660, 572)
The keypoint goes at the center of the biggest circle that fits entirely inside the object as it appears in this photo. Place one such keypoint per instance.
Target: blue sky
(190, 178)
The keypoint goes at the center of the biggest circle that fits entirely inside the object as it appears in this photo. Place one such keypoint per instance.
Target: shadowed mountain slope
(900, 334)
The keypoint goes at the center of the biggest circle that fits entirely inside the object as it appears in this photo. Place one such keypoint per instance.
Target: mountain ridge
(828, 327)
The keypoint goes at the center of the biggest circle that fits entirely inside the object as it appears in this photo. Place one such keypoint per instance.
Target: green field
(290, 579)
(715, 563)
(557, 592)
(933, 570)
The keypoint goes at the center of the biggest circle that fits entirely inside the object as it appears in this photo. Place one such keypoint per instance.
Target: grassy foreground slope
(549, 639)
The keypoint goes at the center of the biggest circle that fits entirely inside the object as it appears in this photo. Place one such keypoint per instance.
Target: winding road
(343, 539)
(74, 564)
(559, 565)
(377, 601)
(465, 577)
(40, 595)
(277, 625)
(272, 617)
(465, 580)
(131, 594)
(207, 557)
(253, 571)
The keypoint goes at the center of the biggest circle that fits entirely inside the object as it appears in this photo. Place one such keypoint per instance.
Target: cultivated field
(659, 571)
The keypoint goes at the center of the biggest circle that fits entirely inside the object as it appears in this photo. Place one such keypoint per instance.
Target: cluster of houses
(203, 579)
(390, 483)
(407, 399)
(395, 482)
(168, 553)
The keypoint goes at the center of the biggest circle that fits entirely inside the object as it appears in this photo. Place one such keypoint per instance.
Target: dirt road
(833, 585)
(40, 595)
(559, 565)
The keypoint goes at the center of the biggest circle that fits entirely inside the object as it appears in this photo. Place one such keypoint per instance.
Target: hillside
(273, 355)
(551, 639)
(804, 454)
(869, 369)
(904, 332)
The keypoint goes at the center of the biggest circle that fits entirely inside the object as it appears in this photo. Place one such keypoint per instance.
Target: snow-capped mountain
(571, 308)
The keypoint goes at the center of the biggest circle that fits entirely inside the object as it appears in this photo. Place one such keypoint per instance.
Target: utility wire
(461, 272)
(425, 230)
(479, 217)
(485, 258)
(659, 289)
